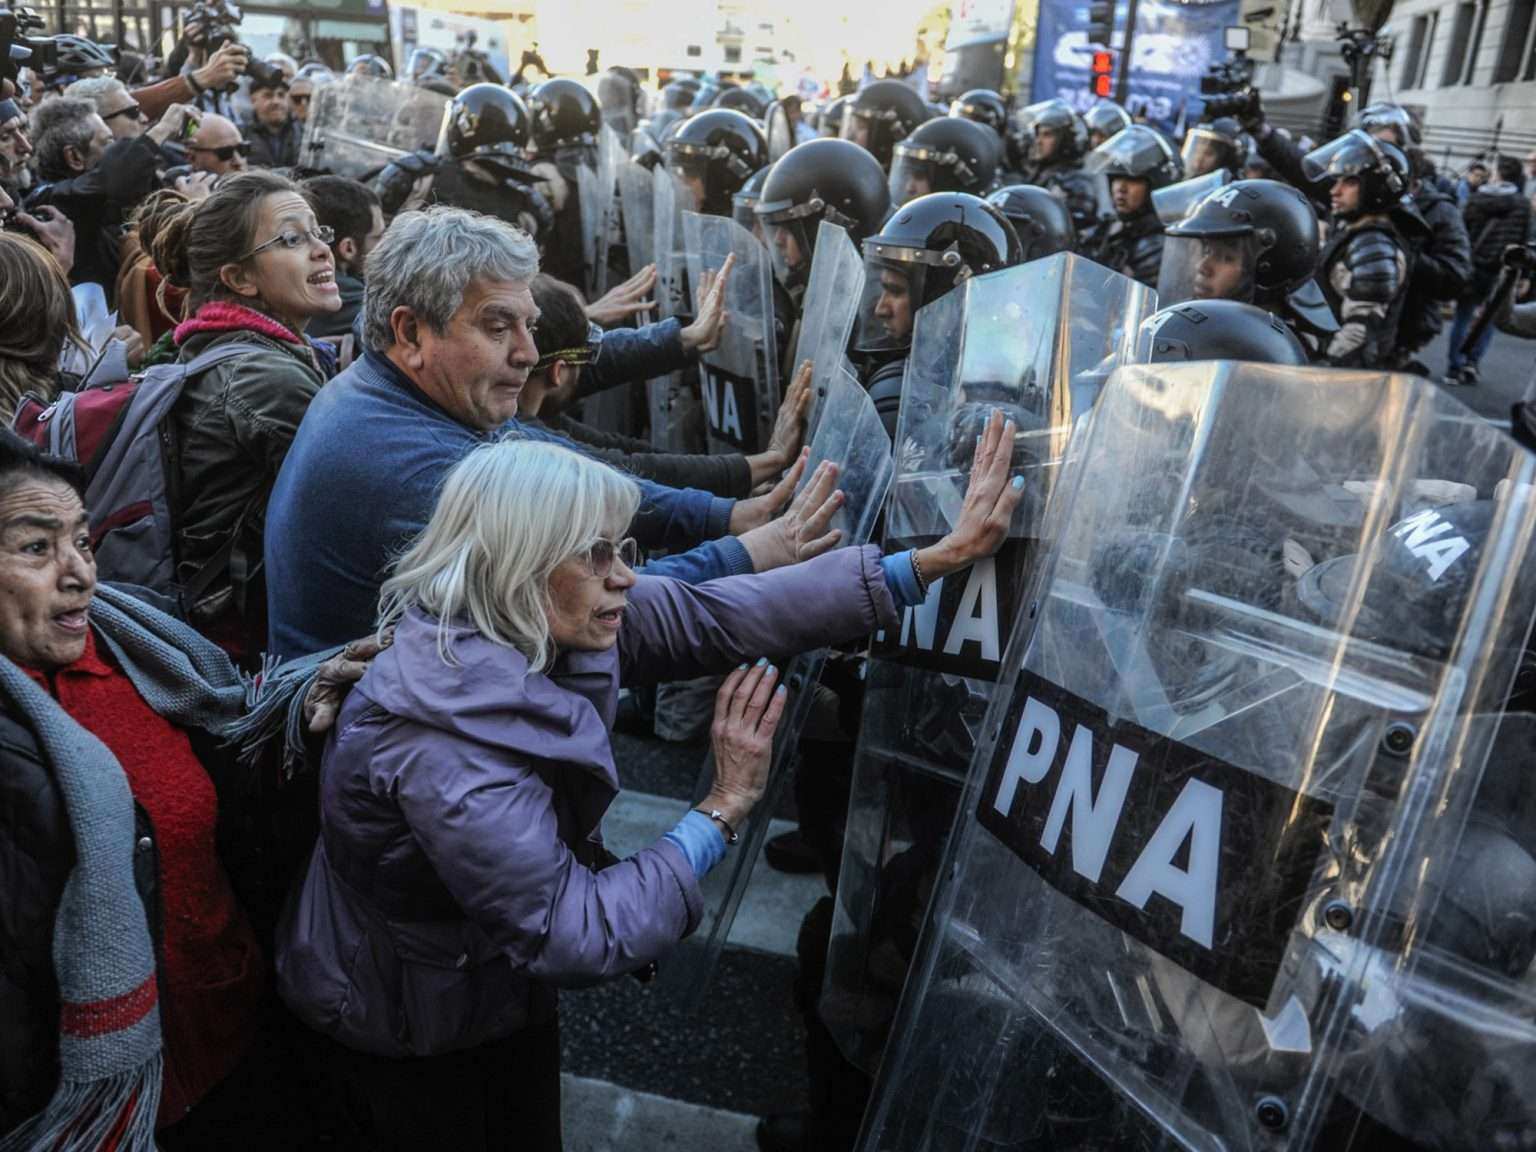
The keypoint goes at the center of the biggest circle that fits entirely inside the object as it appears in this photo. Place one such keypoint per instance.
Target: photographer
(207, 33)
(96, 181)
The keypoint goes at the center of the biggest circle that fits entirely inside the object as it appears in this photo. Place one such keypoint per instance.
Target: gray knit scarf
(109, 1018)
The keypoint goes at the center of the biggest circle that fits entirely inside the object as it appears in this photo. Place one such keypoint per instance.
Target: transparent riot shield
(595, 179)
(739, 379)
(851, 436)
(1244, 861)
(638, 207)
(359, 124)
(610, 155)
(676, 412)
(779, 130)
(1036, 341)
(827, 312)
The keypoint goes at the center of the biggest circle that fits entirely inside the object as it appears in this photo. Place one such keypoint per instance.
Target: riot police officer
(1134, 161)
(983, 106)
(1213, 144)
(1442, 261)
(880, 115)
(948, 154)
(481, 164)
(1104, 119)
(1217, 330)
(1051, 141)
(832, 180)
(565, 126)
(622, 100)
(1367, 263)
(714, 153)
(742, 100)
(1254, 241)
(924, 250)
(829, 121)
(1040, 219)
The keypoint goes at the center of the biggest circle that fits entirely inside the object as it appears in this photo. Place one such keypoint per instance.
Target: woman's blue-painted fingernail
(781, 689)
(772, 671)
(1018, 481)
(743, 668)
(761, 660)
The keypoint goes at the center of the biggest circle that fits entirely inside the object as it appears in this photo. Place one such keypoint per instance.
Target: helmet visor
(893, 292)
(1205, 151)
(791, 244)
(781, 133)
(858, 128)
(1351, 154)
(1212, 267)
(917, 172)
(744, 212)
(1135, 152)
(1177, 201)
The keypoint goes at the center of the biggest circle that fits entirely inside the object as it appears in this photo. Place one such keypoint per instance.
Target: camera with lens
(1227, 87)
(19, 47)
(1520, 257)
(264, 75)
(218, 20)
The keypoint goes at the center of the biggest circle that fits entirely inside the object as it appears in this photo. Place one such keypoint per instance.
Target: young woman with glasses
(256, 267)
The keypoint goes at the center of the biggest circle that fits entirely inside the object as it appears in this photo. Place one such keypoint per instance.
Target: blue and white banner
(1174, 44)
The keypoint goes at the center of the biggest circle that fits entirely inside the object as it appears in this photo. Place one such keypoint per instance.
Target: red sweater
(210, 970)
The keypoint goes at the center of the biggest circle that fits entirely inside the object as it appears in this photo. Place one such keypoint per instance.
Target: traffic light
(1103, 74)
(1101, 22)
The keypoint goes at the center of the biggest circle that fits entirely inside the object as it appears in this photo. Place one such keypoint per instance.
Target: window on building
(1421, 80)
(1461, 40)
(1413, 58)
(1477, 43)
(1513, 48)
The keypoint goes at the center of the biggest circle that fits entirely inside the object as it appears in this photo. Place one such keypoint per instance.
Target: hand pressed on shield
(747, 711)
(627, 299)
(789, 426)
(334, 679)
(990, 499)
(805, 530)
(704, 334)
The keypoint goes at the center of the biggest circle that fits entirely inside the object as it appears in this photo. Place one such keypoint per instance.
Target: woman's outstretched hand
(990, 499)
(747, 712)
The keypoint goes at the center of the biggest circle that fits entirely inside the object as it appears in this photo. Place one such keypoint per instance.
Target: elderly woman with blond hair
(460, 875)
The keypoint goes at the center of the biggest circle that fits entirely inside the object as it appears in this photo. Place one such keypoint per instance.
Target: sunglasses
(127, 110)
(227, 152)
(600, 556)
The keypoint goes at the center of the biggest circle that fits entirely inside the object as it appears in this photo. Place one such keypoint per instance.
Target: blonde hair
(508, 515)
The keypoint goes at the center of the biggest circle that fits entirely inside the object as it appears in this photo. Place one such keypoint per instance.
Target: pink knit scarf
(222, 316)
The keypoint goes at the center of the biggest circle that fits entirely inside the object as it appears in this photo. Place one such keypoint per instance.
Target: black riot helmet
(622, 99)
(1137, 153)
(1252, 240)
(924, 250)
(371, 65)
(881, 114)
(1039, 218)
(486, 118)
(950, 154)
(1381, 168)
(678, 95)
(832, 180)
(1218, 143)
(1051, 132)
(1217, 330)
(717, 150)
(426, 64)
(983, 106)
(742, 100)
(1390, 122)
(1104, 119)
(829, 121)
(564, 114)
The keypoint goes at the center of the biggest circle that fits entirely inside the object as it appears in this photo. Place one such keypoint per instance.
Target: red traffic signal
(1103, 86)
(1103, 62)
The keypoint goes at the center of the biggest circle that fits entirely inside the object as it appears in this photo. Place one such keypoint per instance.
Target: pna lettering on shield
(1195, 816)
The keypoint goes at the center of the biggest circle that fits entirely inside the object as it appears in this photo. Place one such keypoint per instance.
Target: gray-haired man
(447, 321)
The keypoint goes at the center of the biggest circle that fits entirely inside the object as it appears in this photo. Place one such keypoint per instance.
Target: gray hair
(57, 124)
(96, 89)
(427, 259)
(509, 514)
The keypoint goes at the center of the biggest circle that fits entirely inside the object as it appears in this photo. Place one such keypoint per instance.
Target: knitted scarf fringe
(118, 1112)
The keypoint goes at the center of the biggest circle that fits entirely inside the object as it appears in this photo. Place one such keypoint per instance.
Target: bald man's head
(217, 146)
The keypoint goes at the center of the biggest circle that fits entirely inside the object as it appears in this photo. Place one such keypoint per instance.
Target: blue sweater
(361, 480)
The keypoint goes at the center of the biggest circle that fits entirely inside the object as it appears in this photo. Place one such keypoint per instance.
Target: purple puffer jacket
(456, 881)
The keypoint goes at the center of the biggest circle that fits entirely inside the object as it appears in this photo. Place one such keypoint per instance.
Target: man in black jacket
(1497, 215)
(273, 132)
(95, 180)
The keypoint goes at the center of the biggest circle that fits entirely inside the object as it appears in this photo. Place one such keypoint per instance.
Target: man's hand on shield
(990, 499)
(789, 426)
(628, 299)
(805, 530)
(703, 335)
